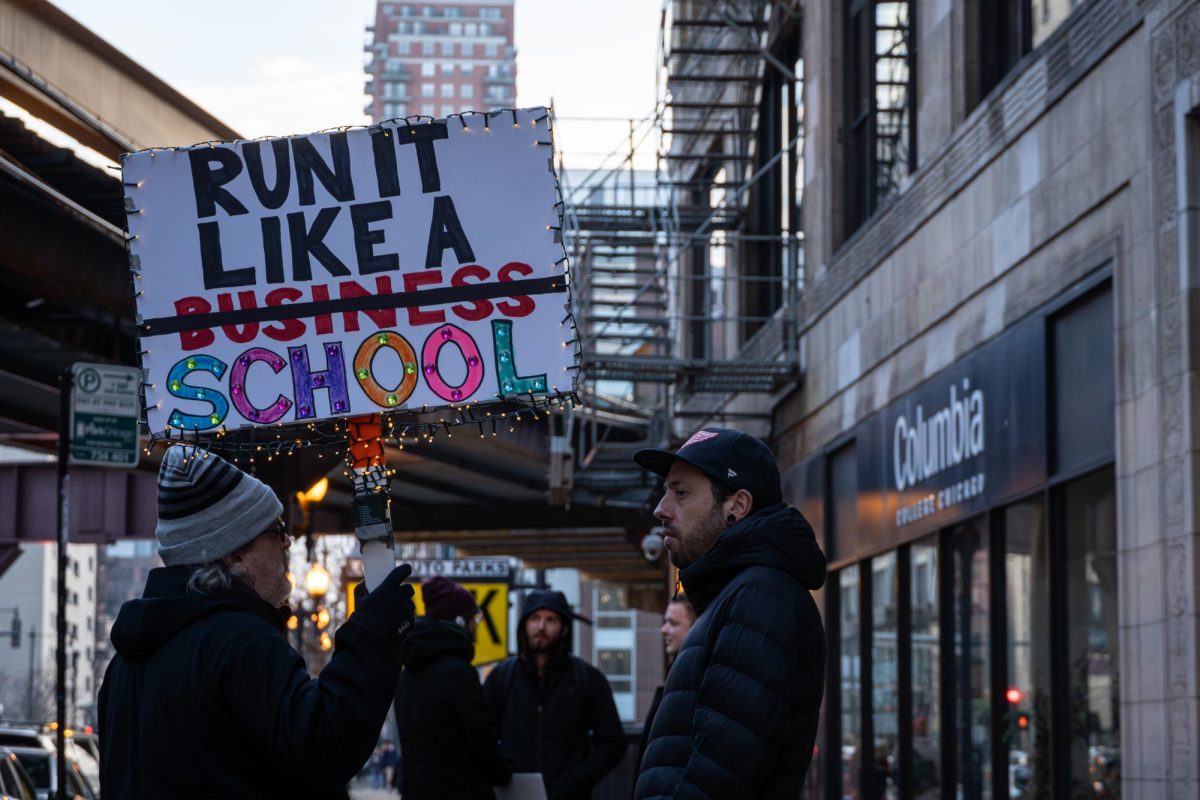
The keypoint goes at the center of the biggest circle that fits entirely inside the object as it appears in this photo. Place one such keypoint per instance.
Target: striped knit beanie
(207, 508)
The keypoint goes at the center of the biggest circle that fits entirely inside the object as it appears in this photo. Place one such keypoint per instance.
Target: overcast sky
(283, 67)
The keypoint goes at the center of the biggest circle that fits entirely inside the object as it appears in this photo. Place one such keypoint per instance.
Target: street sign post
(104, 415)
(98, 411)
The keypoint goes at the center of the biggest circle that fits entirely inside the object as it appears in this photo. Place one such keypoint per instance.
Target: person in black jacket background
(448, 744)
(205, 697)
(738, 715)
(555, 712)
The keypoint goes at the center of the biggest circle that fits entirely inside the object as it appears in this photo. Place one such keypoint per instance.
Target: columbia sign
(922, 448)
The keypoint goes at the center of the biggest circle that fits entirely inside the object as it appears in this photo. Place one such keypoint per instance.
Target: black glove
(391, 603)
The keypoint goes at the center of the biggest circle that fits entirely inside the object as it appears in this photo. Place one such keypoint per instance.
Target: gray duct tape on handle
(373, 527)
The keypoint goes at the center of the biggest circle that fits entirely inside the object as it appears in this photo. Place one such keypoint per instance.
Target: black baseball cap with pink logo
(734, 459)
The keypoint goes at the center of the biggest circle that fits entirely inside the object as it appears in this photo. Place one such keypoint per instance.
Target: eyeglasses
(278, 530)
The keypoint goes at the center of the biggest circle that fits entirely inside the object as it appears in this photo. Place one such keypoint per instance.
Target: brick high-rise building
(440, 58)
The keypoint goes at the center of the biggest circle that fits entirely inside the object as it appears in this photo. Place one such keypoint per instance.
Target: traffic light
(1023, 721)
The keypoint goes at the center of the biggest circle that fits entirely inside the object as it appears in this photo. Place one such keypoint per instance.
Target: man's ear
(739, 504)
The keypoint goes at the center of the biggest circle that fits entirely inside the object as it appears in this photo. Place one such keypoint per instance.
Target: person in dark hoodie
(205, 697)
(555, 712)
(738, 716)
(448, 743)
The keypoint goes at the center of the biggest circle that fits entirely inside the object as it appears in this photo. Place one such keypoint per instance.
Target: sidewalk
(360, 789)
(366, 793)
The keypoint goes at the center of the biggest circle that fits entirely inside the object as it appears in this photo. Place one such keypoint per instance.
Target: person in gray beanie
(205, 697)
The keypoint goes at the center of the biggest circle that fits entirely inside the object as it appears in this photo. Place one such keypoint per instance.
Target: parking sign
(104, 415)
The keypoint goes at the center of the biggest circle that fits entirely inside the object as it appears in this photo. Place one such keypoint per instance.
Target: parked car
(15, 783)
(42, 766)
(89, 742)
(45, 738)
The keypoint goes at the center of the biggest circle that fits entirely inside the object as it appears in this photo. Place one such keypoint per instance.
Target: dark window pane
(879, 105)
(611, 599)
(1026, 570)
(973, 667)
(851, 688)
(843, 480)
(885, 691)
(1083, 382)
(892, 103)
(926, 768)
(1091, 531)
(1002, 30)
(613, 662)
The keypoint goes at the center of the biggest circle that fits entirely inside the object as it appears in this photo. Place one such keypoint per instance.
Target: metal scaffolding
(671, 311)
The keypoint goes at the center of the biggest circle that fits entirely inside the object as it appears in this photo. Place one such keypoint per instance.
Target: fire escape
(675, 327)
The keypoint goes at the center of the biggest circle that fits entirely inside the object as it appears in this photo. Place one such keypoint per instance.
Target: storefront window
(1027, 700)
(926, 768)
(1089, 513)
(843, 483)
(885, 690)
(1084, 416)
(972, 665)
(851, 694)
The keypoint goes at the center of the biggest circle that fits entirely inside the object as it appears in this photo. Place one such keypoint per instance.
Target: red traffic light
(1022, 721)
(1013, 695)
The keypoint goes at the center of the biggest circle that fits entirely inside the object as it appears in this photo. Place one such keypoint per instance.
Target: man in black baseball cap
(747, 683)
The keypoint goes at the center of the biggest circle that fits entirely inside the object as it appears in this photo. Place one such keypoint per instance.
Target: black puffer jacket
(448, 745)
(739, 712)
(205, 697)
(564, 725)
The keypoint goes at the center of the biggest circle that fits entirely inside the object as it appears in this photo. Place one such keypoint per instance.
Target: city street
(797, 399)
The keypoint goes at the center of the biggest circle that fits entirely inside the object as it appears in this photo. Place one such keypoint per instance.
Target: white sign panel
(396, 267)
(461, 568)
(104, 415)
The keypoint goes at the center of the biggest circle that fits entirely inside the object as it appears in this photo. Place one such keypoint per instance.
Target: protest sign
(397, 267)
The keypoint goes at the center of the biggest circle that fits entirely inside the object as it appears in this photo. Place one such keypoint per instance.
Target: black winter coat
(739, 712)
(564, 726)
(448, 744)
(205, 698)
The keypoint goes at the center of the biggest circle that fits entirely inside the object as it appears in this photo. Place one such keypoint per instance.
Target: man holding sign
(205, 697)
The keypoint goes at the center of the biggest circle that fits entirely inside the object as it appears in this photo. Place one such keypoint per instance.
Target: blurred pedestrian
(738, 716)
(375, 768)
(555, 712)
(447, 737)
(677, 621)
(205, 697)
(389, 759)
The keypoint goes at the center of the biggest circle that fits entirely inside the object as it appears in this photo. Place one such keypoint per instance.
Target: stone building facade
(1001, 220)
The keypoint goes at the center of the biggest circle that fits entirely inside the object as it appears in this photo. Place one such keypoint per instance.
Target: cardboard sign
(376, 269)
(491, 635)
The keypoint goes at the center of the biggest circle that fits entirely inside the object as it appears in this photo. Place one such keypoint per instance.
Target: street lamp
(316, 581)
(307, 500)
